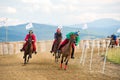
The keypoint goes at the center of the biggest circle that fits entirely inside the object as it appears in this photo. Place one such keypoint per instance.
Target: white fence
(14, 47)
(45, 46)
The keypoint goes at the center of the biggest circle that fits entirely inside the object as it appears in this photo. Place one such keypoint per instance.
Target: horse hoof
(23, 57)
(61, 66)
(64, 69)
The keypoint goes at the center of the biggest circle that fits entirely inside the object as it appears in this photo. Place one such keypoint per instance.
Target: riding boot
(72, 54)
(35, 52)
(22, 49)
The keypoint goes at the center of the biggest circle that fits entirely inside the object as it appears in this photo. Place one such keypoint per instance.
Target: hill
(96, 29)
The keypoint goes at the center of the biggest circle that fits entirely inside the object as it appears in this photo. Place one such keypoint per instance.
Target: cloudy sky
(58, 12)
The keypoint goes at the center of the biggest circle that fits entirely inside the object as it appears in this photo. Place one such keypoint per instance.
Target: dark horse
(113, 43)
(28, 50)
(55, 49)
(66, 51)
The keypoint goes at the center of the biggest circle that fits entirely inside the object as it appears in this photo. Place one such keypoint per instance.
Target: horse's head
(29, 41)
(73, 37)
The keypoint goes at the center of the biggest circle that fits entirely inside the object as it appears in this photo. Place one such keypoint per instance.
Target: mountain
(96, 29)
(103, 27)
(42, 31)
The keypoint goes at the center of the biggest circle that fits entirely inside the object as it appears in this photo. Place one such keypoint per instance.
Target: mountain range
(97, 29)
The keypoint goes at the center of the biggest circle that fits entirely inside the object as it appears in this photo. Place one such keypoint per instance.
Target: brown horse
(55, 49)
(28, 51)
(66, 51)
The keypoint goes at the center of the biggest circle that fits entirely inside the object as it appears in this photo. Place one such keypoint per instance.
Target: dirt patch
(43, 67)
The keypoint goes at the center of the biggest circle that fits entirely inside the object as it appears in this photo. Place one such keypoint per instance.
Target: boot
(35, 52)
(21, 49)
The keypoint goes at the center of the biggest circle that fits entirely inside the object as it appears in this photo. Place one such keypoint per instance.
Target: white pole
(105, 59)
(91, 55)
(83, 50)
(103, 47)
(98, 46)
(85, 54)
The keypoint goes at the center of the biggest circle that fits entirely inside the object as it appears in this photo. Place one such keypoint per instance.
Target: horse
(55, 49)
(28, 51)
(113, 43)
(66, 51)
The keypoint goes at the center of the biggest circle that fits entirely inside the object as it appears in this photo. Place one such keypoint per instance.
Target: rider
(33, 41)
(57, 35)
(77, 40)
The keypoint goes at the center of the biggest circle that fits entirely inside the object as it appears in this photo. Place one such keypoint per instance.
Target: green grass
(114, 55)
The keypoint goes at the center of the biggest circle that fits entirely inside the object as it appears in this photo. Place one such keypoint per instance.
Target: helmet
(77, 33)
(30, 31)
(58, 30)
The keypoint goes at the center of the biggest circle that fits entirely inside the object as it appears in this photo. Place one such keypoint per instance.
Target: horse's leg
(67, 59)
(65, 67)
(53, 54)
(61, 62)
(55, 57)
(109, 45)
(25, 58)
(28, 59)
(59, 54)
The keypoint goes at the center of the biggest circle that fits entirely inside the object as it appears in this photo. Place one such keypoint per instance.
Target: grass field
(114, 55)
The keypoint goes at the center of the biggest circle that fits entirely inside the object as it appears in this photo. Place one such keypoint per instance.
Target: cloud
(30, 1)
(7, 9)
(89, 1)
(43, 6)
(11, 10)
(60, 11)
(14, 21)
